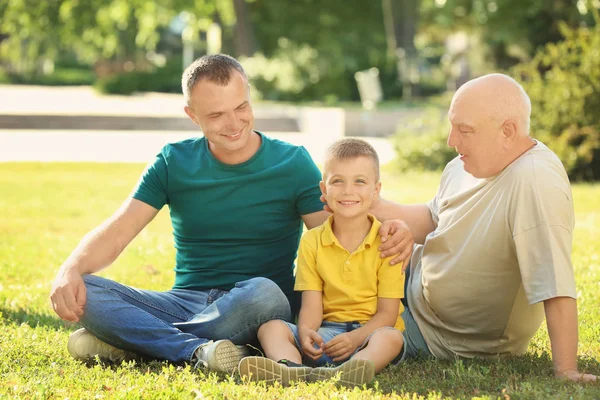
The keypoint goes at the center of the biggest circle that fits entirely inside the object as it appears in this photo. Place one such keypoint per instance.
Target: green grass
(46, 208)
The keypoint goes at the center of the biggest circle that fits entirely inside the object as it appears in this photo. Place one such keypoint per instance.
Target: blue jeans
(172, 325)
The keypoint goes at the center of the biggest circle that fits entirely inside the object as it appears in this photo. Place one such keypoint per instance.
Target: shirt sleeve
(308, 195)
(390, 280)
(542, 222)
(152, 185)
(307, 277)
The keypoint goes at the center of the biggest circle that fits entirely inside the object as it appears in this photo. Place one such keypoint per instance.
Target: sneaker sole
(227, 356)
(355, 372)
(260, 369)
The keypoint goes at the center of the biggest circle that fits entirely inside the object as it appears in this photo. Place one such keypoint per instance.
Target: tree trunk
(244, 41)
(405, 14)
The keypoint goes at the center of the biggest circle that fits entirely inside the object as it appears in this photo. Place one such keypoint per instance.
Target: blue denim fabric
(172, 325)
(414, 343)
(328, 331)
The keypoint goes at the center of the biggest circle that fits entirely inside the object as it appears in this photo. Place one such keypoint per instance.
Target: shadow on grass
(34, 319)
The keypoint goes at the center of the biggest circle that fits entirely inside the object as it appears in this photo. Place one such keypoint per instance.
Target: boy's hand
(396, 240)
(308, 340)
(340, 347)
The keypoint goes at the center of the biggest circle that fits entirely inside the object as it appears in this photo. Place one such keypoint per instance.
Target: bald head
(490, 124)
(496, 97)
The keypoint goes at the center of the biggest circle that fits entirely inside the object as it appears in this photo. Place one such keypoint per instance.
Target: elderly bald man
(495, 253)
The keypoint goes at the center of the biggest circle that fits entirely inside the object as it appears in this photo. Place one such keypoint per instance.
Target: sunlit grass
(45, 209)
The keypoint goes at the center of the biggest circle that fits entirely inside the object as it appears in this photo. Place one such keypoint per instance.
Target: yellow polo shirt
(350, 282)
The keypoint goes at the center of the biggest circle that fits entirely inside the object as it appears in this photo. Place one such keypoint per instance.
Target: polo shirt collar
(328, 238)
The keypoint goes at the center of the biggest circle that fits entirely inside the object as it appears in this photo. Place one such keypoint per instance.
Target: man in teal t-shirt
(249, 224)
(237, 201)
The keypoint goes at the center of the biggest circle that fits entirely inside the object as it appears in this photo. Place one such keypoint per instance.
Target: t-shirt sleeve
(390, 280)
(542, 226)
(307, 277)
(308, 176)
(152, 185)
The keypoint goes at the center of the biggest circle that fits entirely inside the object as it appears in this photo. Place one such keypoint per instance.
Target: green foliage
(421, 143)
(47, 208)
(165, 79)
(563, 82)
(60, 77)
(513, 30)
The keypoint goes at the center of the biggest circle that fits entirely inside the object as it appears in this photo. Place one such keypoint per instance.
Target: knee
(269, 298)
(392, 337)
(271, 328)
(93, 283)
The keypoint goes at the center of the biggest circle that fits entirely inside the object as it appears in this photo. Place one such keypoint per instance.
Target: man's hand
(340, 347)
(308, 340)
(68, 295)
(396, 240)
(396, 237)
(576, 376)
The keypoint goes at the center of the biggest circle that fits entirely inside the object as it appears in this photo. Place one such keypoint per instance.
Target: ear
(190, 113)
(377, 189)
(509, 130)
(323, 188)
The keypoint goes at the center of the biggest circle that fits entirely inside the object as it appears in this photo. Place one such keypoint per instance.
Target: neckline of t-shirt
(263, 141)
(532, 149)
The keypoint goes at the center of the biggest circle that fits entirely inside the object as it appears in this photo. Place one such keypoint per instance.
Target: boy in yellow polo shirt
(350, 314)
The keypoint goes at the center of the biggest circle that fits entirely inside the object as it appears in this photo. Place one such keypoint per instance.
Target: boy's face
(350, 186)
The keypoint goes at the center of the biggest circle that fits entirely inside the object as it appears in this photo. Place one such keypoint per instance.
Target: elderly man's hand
(576, 376)
(396, 240)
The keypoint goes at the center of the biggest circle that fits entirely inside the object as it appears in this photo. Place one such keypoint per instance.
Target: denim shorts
(414, 343)
(328, 331)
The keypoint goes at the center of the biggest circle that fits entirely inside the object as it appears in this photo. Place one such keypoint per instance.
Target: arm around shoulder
(416, 216)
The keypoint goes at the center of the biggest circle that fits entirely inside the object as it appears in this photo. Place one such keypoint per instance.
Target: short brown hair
(350, 148)
(216, 68)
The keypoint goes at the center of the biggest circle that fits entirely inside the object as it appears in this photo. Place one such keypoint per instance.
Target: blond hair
(350, 148)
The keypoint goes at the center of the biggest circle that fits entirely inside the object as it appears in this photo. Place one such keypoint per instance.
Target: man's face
(476, 137)
(224, 114)
(350, 186)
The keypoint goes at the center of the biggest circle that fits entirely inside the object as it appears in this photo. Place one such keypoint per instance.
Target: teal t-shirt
(233, 222)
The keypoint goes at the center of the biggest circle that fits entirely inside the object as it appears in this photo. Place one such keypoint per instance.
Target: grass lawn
(46, 208)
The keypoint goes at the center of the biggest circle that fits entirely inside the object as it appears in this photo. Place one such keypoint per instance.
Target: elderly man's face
(476, 137)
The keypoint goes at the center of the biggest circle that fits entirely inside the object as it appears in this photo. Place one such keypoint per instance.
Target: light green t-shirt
(501, 247)
(233, 222)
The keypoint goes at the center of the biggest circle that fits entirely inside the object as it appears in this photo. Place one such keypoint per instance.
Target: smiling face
(350, 185)
(490, 124)
(224, 113)
(476, 137)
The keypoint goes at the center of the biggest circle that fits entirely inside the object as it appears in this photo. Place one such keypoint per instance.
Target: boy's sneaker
(221, 356)
(354, 372)
(83, 345)
(264, 369)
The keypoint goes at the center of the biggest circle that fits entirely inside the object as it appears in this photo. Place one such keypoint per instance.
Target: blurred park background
(99, 81)
(406, 56)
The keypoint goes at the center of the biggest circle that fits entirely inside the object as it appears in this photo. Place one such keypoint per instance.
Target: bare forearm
(561, 318)
(416, 216)
(310, 318)
(97, 250)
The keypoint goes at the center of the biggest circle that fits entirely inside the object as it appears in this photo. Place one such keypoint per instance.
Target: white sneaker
(354, 372)
(83, 345)
(221, 356)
